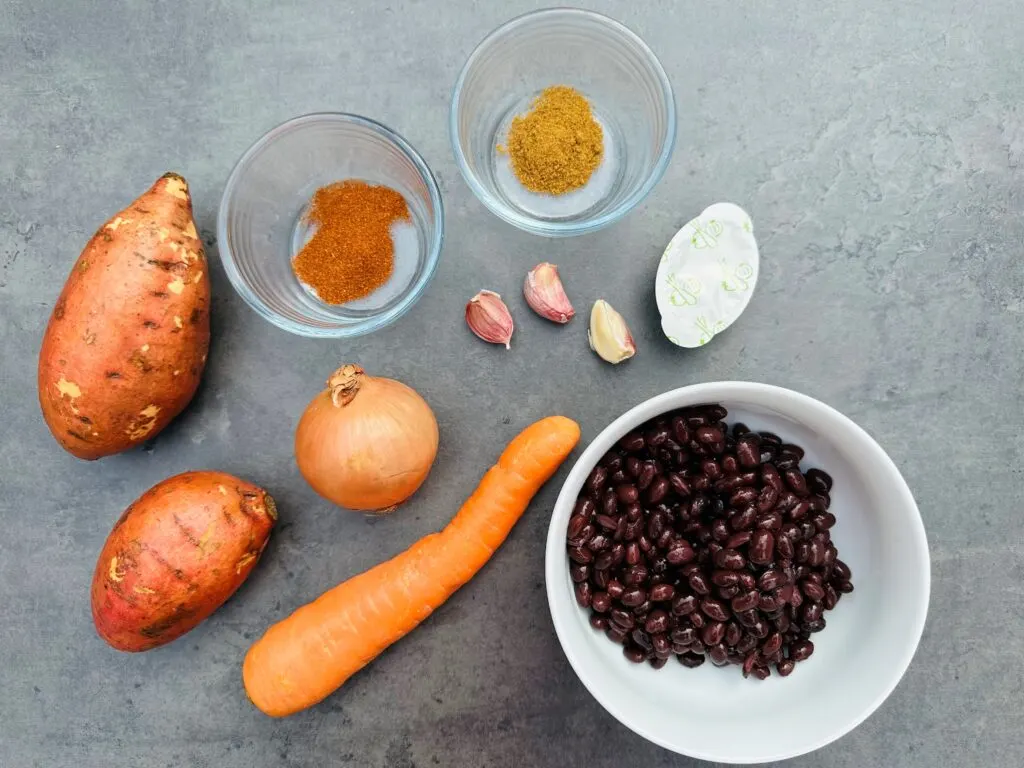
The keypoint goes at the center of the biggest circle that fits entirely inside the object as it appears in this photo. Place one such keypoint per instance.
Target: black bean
(814, 626)
(768, 603)
(795, 480)
(745, 602)
(601, 602)
(615, 588)
(634, 653)
(811, 590)
(678, 484)
(622, 618)
(597, 621)
(680, 554)
(698, 583)
(658, 490)
(607, 522)
(712, 633)
(810, 613)
(733, 634)
(824, 520)
(785, 667)
(842, 570)
(719, 655)
(728, 593)
(662, 592)
(600, 579)
(581, 555)
(720, 530)
(767, 498)
(642, 639)
(741, 497)
(632, 553)
(743, 519)
(801, 651)
(831, 597)
(616, 634)
(632, 442)
(723, 578)
(633, 597)
(738, 540)
(579, 572)
(762, 547)
(645, 544)
(714, 609)
(770, 476)
(662, 647)
(599, 543)
(635, 575)
(657, 621)
(584, 593)
(657, 436)
(683, 605)
(730, 559)
(748, 451)
(627, 493)
(597, 478)
(645, 477)
(819, 480)
(746, 644)
(844, 586)
(691, 660)
(784, 547)
(642, 610)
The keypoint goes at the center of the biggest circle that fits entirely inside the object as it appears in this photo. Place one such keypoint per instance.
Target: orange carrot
(309, 655)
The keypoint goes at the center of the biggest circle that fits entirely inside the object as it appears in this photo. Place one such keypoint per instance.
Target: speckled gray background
(879, 147)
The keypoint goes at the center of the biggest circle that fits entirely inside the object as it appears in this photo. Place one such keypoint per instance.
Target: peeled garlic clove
(546, 296)
(608, 334)
(489, 318)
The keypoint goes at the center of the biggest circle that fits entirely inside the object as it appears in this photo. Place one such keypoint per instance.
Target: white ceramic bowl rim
(558, 228)
(712, 392)
(365, 325)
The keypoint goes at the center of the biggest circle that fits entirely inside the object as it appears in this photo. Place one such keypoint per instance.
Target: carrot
(307, 656)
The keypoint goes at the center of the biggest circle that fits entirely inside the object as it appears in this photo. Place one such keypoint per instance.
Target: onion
(366, 443)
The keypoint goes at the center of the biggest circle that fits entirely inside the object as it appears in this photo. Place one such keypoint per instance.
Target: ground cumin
(558, 144)
(351, 254)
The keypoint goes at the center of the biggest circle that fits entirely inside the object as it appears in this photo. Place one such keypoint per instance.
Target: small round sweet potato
(176, 555)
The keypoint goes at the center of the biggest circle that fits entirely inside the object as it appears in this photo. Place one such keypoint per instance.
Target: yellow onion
(366, 443)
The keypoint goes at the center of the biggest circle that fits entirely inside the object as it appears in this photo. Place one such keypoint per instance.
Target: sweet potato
(128, 337)
(176, 555)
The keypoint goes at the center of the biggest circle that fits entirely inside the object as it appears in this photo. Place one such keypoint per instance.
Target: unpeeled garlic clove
(489, 318)
(609, 336)
(546, 296)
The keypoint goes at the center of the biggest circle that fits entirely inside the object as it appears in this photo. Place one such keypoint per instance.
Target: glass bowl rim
(558, 228)
(362, 326)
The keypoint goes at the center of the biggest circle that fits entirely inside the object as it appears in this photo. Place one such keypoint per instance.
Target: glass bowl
(628, 90)
(261, 224)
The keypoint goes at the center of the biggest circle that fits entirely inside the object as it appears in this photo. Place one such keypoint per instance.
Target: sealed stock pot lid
(707, 275)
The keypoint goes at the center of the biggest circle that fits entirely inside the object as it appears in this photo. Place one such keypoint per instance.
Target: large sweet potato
(128, 337)
(176, 555)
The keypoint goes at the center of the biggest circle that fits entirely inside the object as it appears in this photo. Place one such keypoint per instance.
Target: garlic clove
(608, 335)
(546, 296)
(489, 318)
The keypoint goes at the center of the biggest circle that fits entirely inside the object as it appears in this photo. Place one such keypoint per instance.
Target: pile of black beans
(696, 541)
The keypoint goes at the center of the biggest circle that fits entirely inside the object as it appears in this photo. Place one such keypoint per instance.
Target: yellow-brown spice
(557, 145)
(351, 253)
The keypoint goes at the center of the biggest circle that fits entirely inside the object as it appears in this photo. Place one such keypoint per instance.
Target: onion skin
(366, 443)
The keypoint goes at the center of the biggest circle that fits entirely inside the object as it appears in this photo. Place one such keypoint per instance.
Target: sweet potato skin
(128, 337)
(176, 555)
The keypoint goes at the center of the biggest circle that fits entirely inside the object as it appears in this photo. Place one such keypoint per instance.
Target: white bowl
(714, 713)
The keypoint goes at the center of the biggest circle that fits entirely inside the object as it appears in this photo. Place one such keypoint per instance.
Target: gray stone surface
(880, 149)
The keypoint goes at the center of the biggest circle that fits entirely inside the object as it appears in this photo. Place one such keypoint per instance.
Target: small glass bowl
(613, 68)
(261, 225)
